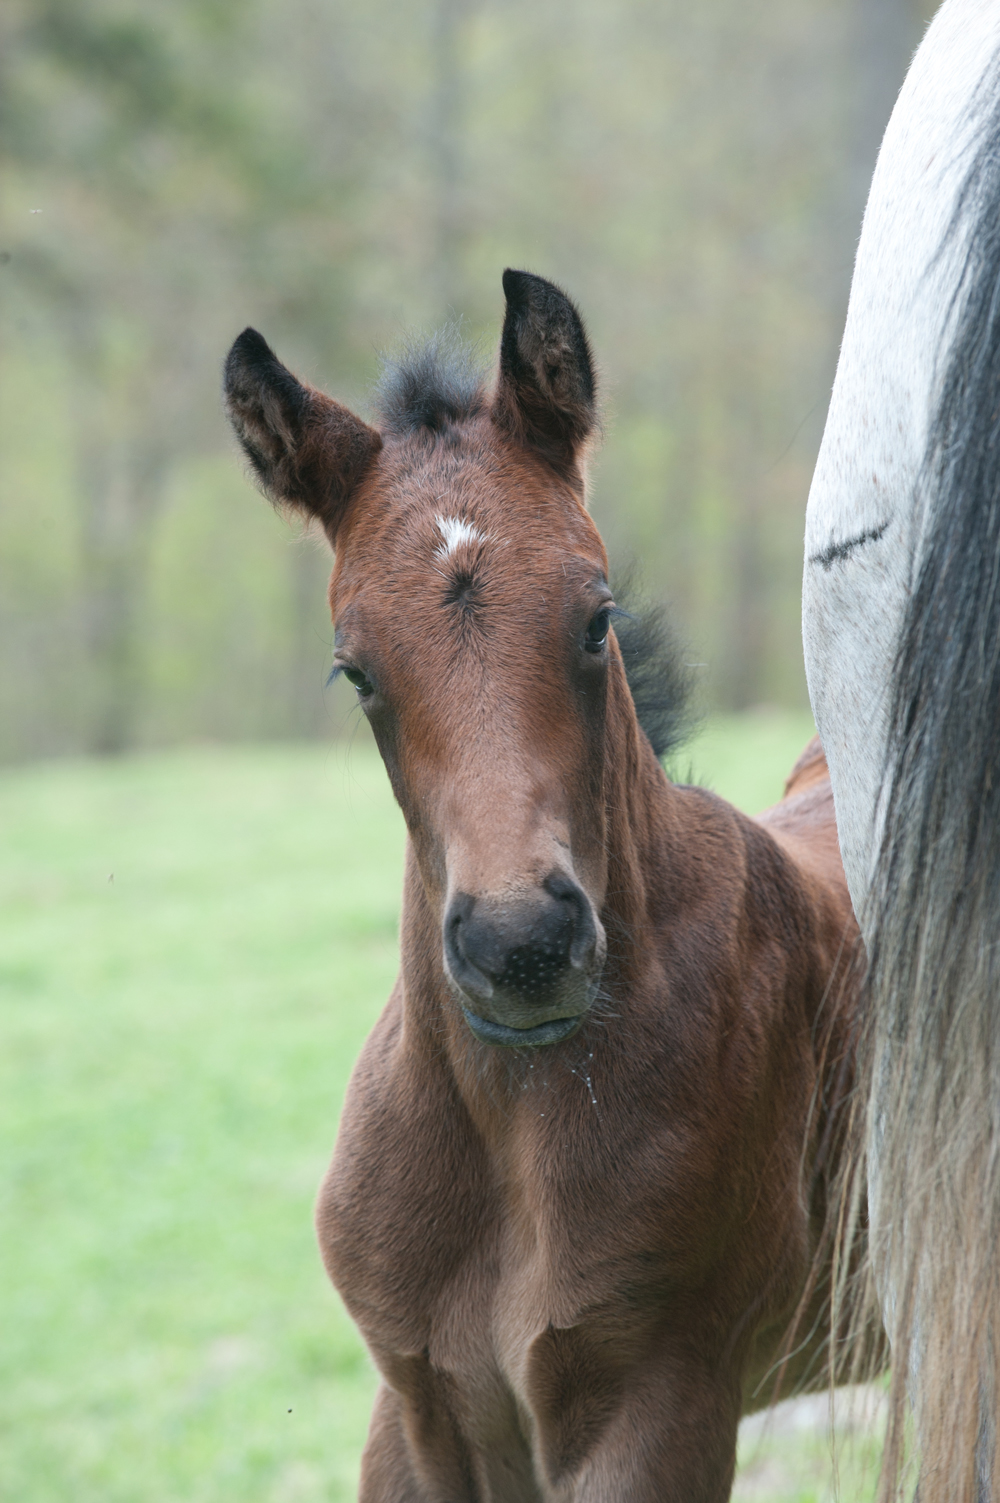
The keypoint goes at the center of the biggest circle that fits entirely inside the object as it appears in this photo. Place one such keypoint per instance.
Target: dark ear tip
(519, 285)
(250, 353)
(525, 292)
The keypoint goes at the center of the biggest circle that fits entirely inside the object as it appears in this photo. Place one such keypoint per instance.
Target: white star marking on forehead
(456, 532)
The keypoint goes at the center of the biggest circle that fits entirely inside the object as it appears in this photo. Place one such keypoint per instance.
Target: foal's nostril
(461, 964)
(584, 935)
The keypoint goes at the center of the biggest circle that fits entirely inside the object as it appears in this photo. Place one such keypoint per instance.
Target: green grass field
(192, 948)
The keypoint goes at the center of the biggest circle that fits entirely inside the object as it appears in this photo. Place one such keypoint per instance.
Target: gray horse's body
(901, 621)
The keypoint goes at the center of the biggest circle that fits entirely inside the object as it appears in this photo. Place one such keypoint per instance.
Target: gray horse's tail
(931, 1043)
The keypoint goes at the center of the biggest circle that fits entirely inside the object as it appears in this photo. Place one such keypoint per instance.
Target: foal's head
(473, 616)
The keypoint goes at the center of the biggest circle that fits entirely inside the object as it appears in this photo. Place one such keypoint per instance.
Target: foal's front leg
(386, 1473)
(653, 1457)
(671, 1438)
(414, 1453)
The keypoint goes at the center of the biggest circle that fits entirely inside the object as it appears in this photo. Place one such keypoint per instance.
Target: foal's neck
(638, 800)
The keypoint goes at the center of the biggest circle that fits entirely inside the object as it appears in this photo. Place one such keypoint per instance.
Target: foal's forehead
(441, 503)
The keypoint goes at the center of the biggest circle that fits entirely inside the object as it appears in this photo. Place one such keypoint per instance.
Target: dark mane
(660, 681)
(430, 385)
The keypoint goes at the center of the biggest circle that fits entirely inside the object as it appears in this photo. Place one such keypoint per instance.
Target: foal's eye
(363, 684)
(597, 631)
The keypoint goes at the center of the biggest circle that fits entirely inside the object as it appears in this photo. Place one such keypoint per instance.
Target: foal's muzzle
(528, 966)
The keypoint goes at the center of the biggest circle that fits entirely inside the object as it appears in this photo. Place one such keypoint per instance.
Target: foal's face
(472, 611)
(472, 615)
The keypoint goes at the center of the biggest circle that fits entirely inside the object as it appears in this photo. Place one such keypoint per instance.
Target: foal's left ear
(545, 394)
(306, 450)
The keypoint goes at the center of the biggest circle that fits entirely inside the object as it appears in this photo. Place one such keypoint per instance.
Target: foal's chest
(524, 1326)
(525, 1285)
(492, 1269)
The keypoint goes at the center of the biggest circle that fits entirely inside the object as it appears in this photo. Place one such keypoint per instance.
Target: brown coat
(576, 1273)
(580, 1179)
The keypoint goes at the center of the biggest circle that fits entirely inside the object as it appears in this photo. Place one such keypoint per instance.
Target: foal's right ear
(545, 397)
(306, 450)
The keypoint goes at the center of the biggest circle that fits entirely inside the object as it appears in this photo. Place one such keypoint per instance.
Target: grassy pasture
(192, 948)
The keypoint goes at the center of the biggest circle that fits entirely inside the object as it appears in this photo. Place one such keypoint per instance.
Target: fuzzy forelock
(427, 386)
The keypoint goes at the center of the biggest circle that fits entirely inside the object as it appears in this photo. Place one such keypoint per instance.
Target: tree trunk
(121, 497)
(446, 111)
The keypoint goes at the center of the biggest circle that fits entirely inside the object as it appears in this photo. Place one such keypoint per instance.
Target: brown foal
(578, 1186)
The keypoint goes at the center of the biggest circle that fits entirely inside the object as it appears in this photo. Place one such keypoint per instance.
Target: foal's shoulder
(810, 769)
(802, 826)
(804, 822)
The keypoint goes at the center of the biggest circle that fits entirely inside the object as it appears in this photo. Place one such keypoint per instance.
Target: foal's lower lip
(522, 1038)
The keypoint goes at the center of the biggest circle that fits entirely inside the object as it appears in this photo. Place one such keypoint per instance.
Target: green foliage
(171, 170)
(194, 946)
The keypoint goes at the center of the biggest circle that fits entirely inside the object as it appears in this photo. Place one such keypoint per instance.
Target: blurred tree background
(341, 176)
